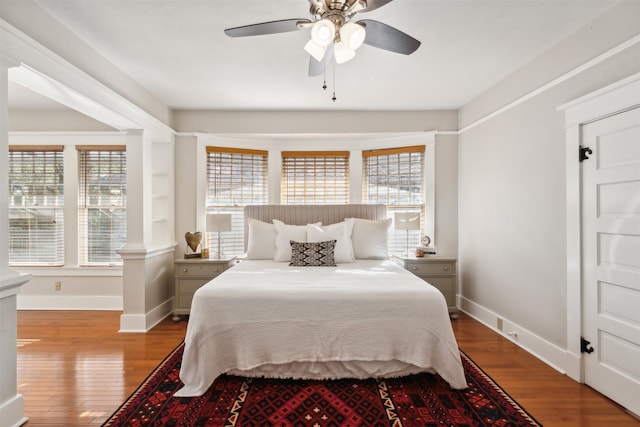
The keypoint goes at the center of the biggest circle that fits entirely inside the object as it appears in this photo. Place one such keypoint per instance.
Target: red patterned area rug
(417, 400)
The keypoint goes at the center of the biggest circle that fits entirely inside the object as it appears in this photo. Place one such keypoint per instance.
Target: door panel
(614, 199)
(619, 148)
(619, 302)
(611, 257)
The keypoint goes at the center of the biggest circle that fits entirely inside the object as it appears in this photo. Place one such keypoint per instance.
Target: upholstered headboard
(307, 214)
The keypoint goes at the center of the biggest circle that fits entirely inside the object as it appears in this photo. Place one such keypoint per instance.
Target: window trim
(426, 171)
(81, 178)
(230, 150)
(68, 141)
(346, 155)
(276, 143)
(394, 150)
(259, 156)
(57, 151)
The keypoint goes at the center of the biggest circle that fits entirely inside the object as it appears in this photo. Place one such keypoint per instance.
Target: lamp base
(407, 253)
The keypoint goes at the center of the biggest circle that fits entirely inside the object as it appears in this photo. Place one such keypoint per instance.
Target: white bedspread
(370, 318)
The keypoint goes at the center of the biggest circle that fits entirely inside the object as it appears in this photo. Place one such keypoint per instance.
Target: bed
(359, 318)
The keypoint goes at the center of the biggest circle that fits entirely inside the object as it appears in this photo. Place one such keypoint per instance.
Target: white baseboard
(554, 356)
(128, 322)
(69, 302)
(12, 412)
(146, 322)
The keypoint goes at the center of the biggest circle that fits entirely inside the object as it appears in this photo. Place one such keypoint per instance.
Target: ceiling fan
(333, 34)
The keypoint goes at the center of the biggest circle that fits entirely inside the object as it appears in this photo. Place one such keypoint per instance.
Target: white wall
(446, 195)
(313, 122)
(512, 182)
(54, 121)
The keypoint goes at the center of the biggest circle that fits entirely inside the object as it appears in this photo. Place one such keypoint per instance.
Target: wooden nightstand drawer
(191, 274)
(184, 301)
(186, 289)
(431, 267)
(439, 272)
(198, 270)
(445, 284)
(191, 285)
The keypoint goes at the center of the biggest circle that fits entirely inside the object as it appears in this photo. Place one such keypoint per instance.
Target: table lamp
(219, 223)
(407, 221)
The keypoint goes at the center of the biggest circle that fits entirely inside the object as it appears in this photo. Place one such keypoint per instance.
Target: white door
(611, 257)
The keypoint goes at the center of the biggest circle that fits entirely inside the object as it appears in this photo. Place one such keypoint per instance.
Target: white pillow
(341, 232)
(286, 233)
(261, 240)
(370, 238)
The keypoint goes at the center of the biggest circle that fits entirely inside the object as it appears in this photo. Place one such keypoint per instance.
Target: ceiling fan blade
(271, 27)
(316, 67)
(388, 38)
(374, 4)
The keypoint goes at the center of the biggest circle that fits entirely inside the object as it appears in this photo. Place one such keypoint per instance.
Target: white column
(197, 180)
(139, 191)
(146, 274)
(11, 403)
(274, 167)
(134, 253)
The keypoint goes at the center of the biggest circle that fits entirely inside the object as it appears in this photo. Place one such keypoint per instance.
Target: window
(310, 177)
(235, 178)
(36, 204)
(395, 177)
(102, 204)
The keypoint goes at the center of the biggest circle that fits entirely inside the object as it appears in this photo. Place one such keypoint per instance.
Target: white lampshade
(323, 32)
(353, 35)
(315, 50)
(407, 221)
(343, 53)
(219, 222)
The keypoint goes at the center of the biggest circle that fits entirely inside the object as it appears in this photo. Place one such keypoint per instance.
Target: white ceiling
(177, 50)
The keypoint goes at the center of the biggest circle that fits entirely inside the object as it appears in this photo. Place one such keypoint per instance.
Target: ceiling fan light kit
(342, 52)
(353, 34)
(315, 50)
(323, 32)
(347, 39)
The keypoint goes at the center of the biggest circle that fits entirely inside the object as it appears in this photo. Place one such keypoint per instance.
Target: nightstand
(191, 274)
(438, 271)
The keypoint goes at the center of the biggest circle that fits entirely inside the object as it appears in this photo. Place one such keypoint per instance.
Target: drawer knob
(184, 270)
(216, 270)
(446, 267)
(414, 268)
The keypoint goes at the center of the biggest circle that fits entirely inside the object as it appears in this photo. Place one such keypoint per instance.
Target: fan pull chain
(334, 83)
(324, 77)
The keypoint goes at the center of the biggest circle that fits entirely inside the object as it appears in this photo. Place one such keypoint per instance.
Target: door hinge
(584, 346)
(584, 153)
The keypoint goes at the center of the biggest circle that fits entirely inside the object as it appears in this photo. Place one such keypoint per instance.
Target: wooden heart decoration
(193, 239)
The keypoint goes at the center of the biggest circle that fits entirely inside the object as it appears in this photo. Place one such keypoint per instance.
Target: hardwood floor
(75, 369)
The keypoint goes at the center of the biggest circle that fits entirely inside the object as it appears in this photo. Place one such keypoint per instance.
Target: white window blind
(36, 202)
(315, 177)
(235, 178)
(395, 178)
(102, 203)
